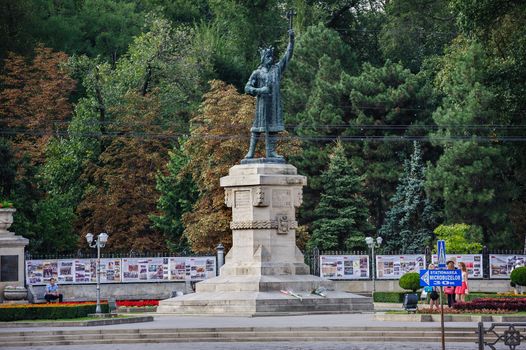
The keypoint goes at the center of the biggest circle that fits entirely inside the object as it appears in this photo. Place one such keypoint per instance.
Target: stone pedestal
(264, 259)
(11, 256)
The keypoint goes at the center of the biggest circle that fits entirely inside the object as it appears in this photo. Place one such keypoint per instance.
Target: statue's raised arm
(264, 83)
(287, 56)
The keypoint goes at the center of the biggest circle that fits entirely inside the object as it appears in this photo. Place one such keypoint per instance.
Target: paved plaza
(168, 322)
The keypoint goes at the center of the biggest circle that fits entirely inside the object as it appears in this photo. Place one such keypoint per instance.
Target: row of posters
(75, 271)
(394, 266)
(344, 266)
(473, 263)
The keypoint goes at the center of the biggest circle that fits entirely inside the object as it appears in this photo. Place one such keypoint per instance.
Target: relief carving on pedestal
(298, 197)
(260, 197)
(264, 224)
(283, 224)
(228, 197)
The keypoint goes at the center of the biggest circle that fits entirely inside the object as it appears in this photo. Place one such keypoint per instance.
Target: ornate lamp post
(372, 244)
(98, 243)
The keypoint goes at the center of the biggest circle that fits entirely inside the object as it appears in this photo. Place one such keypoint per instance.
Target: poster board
(110, 270)
(473, 263)
(41, 271)
(85, 270)
(394, 266)
(344, 266)
(501, 265)
(66, 271)
(200, 268)
(177, 269)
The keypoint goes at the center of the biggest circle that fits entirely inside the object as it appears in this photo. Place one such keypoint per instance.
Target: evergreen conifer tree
(410, 222)
(342, 214)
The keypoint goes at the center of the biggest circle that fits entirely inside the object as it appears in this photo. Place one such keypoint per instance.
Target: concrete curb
(447, 318)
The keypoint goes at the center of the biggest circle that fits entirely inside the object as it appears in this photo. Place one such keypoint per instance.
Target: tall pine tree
(410, 222)
(342, 215)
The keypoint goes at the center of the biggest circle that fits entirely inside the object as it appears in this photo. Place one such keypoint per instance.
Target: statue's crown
(266, 51)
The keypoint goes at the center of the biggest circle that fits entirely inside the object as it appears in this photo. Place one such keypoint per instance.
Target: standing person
(52, 291)
(450, 291)
(433, 294)
(462, 290)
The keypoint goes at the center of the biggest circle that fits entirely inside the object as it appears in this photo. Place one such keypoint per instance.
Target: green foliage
(91, 27)
(409, 223)
(312, 97)
(518, 276)
(460, 238)
(472, 179)
(341, 216)
(383, 97)
(178, 195)
(388, 297)
(54, 226)
(8, 168)
(48, 312)
(410, 281)
(415, 30)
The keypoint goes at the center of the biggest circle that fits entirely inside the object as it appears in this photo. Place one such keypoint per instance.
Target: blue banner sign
(440, 278)
(441, 252)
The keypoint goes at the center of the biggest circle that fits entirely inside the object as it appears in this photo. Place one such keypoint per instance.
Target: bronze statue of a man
(264, 84)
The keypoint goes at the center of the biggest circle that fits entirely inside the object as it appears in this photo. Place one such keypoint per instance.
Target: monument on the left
(11, 259)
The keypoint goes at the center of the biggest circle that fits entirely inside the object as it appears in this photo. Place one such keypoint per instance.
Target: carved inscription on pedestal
(281, 198)
(242, 203)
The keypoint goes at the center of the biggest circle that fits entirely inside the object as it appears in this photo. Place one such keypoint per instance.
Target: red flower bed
(512, 304)
(137, 303)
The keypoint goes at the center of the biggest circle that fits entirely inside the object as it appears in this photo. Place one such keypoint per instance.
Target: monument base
(264, 265)
(262, 296)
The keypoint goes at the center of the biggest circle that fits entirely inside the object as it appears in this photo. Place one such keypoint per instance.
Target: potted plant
(6, 215)
(410, 281)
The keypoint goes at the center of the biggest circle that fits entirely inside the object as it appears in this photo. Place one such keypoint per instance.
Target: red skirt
(461, 289)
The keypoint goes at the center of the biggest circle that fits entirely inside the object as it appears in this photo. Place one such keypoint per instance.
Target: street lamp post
(98, 243)
(372, 244)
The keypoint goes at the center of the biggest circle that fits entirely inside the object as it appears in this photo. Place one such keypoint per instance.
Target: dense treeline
(122, 115)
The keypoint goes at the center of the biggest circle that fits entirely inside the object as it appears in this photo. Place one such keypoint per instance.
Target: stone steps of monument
(357, 334)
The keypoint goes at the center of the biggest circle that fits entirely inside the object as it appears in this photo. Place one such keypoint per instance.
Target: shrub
(410, 281)
(388, 297)
(518, 276)
(17, 312)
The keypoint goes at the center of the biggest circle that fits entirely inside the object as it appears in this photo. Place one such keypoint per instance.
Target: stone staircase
(237, 334)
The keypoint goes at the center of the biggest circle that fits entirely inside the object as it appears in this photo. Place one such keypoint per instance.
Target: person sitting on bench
(52, 291)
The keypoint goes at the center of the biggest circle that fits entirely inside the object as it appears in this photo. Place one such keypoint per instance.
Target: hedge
(389, 297)
(47, 311)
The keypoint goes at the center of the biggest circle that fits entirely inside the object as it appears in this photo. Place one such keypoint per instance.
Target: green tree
(409, 223)
(415, 30)
(388, 104)
(178, 195)
(7, 170)
(500, 28)
(342, 218)
(472, 179)
(460, 238)
(313, 101)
